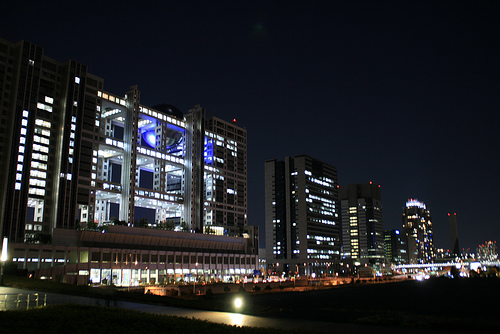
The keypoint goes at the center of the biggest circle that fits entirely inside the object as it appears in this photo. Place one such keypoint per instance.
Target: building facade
(126, 256)
(78, 157)
(362, 224)
(302, 216)
(396, 247)
(417, 226)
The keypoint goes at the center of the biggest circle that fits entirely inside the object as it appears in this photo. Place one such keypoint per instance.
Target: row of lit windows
(43, 106)
(36, 191)
(160, 116)
(20, 157)
(160, 155)
(112, 98)
(43, 140)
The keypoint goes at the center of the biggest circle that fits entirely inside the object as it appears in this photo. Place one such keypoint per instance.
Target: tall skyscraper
(302, 216)
(362, 223)
(417, 226)
(455, 248)
(75, 155)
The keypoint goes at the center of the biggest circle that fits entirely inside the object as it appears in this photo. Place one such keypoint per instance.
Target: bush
(268, 287)
(209, 294)
(241, 289)
(256, 288)
(227, 289)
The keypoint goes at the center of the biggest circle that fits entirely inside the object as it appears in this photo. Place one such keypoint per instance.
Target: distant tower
(417, 226)
(362, 225)
(452, 219)
(396, 247)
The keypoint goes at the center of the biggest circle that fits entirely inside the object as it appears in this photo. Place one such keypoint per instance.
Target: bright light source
(3, 258)
(238, 302)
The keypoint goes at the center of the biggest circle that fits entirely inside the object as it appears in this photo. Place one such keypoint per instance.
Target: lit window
(24, 122)
(18, 186)
(48, 99)
(75, 104)
(68, 176)
(77, 80)
(44, 107)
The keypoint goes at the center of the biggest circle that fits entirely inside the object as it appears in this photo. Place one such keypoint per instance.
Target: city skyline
(404, 96)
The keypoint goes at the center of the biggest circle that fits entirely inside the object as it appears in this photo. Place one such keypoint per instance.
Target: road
(216, 317)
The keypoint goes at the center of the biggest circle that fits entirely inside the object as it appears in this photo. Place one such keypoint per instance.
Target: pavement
(228, 318)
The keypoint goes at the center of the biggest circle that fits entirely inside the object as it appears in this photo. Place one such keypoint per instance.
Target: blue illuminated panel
(208, 152)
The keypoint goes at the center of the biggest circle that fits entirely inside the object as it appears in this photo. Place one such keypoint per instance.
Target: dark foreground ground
(462, 305)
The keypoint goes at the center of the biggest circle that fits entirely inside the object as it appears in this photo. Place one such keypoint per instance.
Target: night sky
(404, 94)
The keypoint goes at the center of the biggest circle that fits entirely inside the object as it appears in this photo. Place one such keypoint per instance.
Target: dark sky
(404, 94)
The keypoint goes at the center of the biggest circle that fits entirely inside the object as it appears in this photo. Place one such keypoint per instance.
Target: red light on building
(234, 120)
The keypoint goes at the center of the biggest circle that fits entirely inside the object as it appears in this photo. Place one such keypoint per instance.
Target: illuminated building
(362, 224)
(487, 251)
(396, 247)
(78, 157)
(302, 216)
(417, 226)
(455, 248)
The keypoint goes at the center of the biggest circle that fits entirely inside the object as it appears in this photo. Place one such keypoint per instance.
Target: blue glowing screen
(150, 138)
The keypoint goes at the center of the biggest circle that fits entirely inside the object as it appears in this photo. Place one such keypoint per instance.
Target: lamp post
(3, 258)
(194, 279)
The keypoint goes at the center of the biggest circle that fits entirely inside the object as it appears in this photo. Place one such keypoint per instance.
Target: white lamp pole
(3, 257)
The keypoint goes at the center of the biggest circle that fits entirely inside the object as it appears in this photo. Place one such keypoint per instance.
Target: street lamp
(194, 279)
(3, 258)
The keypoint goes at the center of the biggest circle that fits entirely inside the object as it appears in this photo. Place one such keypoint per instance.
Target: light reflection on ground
(236, 319)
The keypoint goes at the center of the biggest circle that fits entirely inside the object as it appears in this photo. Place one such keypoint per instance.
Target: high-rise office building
(78, 159)
(452, 220)
(396, 247)
(302, 216)
(362, 223)
(417, 226)
(75, 155)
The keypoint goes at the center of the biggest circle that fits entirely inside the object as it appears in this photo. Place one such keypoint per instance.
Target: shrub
(227, 289)
(268, 287)
(256, 288)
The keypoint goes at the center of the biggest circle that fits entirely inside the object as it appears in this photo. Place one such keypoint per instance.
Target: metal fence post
(28, 301)
(18, 300)
(45, 300)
